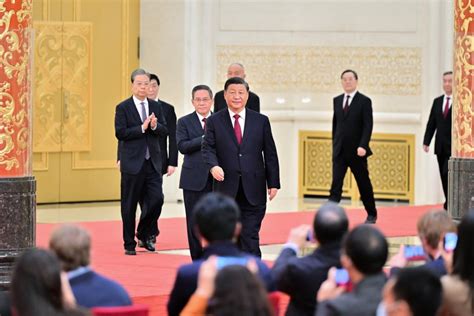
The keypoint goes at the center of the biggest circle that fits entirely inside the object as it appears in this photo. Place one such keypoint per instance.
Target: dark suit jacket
(254, 161)
(189, 136)
(437, 123)
(93, 290)
(186, 279)
(301, 278)
(169, 150)
(354, 129)
(128, 131)
(362, 301)
(253, 102)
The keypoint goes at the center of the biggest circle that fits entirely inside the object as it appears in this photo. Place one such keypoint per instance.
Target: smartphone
(231, 261)
(450, 241)
(342, 277)
(414, 253)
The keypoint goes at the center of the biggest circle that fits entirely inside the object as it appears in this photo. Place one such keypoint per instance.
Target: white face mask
(381, 310)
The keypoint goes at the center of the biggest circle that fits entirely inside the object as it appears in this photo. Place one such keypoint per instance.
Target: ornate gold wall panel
(391, 167)
(62, 87)
(317, 69)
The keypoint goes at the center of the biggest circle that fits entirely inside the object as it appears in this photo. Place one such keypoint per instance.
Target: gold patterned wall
(62, 86)
(385, 70)
(390, 167)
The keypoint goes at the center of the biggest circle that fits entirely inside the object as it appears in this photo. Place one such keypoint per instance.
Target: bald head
(236, 70)
(330, 223)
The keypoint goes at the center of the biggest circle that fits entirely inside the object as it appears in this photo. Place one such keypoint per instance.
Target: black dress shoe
(130, 252)
(371, 219)
(148, 245)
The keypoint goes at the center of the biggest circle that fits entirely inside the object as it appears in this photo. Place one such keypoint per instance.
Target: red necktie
(237, 130)
(204, 121)
(346, 105)
(446, 108)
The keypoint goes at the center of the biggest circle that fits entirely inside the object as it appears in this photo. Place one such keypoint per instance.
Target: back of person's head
(216, 217)
(420, 288)
(36, 284)
(433, 225)
(330, 223)
(367, 248)
(463, 257)
(72, 245)
(238, 292)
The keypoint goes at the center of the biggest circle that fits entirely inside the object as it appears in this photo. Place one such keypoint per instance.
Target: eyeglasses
(202, 100)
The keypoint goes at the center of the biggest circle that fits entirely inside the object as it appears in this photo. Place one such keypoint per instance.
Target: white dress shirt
(241, 119)
(201, 117)
(351, 95)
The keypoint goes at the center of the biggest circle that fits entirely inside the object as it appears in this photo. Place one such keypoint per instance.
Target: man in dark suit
(217, 219)
(195, 178)
(139, 122)
(239, 148)
(236, 70)
(364, 253)
(351, 131)
(440, 122)
(301, 278)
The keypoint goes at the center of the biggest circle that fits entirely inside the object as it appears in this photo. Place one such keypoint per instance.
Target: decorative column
(17, 185)
(461, 164)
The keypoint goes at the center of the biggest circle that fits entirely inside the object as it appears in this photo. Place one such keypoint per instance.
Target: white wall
(297, 49)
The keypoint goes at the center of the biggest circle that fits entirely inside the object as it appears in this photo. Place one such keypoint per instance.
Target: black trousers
(251, 219)
(360, 170)
(190, 200)
(149, 182)
(443, 172)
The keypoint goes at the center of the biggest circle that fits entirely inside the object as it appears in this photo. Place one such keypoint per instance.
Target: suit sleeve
(334, 121)
(325, 308)
(186, 145)
(172, 147)
(430, 126)
(282, 271)
(122, 132)
(367, 124)
(271, 157)
(209, 153)
(177, 299)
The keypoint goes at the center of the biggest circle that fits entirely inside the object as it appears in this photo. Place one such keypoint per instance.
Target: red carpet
(149, 276)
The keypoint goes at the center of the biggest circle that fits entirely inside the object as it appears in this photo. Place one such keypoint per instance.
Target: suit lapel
(228, 126)
(247, 127)
(133, 109)
(196, 124)
(354, 103)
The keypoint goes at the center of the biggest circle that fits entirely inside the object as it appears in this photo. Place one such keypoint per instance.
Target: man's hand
(146, 123)
(426, 148)
(298, 235)
(118, 164)
(153, 120)
(329, 288)
(361, 152)
(398, 260)
(272, 192)
(217, 173)
(170, 171)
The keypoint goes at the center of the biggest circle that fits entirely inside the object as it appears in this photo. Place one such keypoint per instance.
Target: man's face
(153, 89)
(236, 97)
(448, 84)
(349, 82)
(140, 86)
(235, 71)
(202, 102)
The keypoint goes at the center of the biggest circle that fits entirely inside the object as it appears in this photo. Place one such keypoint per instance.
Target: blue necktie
(147, 153)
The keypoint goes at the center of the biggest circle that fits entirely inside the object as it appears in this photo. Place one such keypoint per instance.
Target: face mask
(381, 311)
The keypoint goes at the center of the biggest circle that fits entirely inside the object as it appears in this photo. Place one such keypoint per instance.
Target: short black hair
(215, 216)
(463, 257)
(201, 87)
(138, 72)
(330, 223)
(420, 288)
(352, 71)
(155, 77)
(367, 248)
(236, 80)
(447, 73)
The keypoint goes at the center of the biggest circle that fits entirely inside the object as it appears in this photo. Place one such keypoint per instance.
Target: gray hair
(138, 72)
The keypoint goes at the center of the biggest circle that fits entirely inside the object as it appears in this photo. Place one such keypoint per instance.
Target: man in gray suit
(364, 253)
